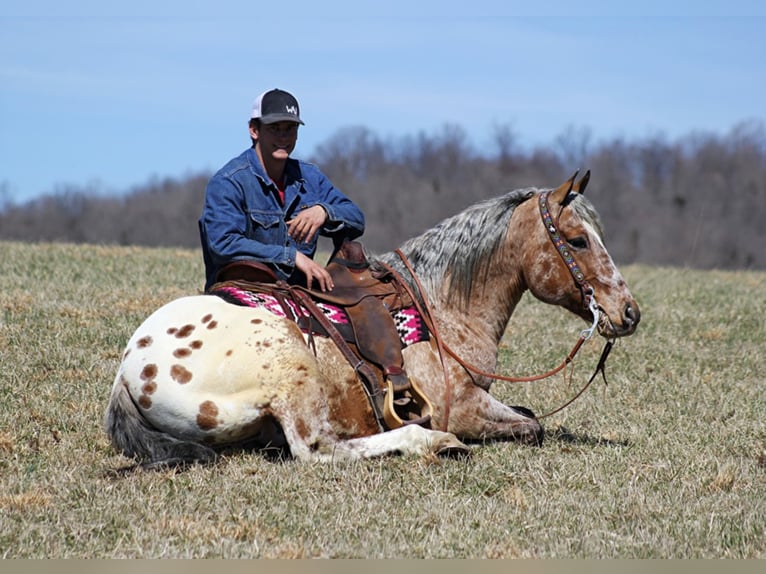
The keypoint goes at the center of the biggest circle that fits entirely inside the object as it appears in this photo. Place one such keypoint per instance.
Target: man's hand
(313, 270)
(306, 224)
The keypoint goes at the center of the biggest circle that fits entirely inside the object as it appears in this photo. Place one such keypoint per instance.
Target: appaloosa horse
(201, 374)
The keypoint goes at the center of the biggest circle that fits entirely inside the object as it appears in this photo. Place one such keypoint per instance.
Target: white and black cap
(276, 106)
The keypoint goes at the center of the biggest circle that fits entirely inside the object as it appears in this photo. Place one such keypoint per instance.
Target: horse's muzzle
(625, 326)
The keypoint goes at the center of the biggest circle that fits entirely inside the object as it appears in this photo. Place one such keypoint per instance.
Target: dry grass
(665, 461)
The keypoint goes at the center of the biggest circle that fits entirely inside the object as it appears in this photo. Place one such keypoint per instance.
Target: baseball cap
(276, 106)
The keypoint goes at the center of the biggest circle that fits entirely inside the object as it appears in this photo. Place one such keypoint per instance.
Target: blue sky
(111, 94)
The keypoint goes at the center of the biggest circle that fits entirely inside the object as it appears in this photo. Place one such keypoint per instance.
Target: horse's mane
(461, 248)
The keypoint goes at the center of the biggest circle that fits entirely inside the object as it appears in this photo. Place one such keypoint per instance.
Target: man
(266, 206)
(270, 208)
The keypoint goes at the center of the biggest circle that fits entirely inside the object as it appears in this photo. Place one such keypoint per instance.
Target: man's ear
(254, 127)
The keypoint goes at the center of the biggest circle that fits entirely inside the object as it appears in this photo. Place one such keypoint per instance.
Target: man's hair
(254, 123)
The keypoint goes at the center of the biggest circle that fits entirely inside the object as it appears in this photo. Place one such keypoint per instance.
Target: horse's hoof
(450, 447)
(532, 435)
(454, 451)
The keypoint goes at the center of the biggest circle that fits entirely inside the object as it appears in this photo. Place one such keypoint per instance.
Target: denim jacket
(243, 218)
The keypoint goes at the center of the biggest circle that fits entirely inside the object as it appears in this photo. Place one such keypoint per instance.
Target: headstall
(588, 298)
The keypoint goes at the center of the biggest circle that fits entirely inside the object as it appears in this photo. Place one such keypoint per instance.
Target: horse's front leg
(475, 414)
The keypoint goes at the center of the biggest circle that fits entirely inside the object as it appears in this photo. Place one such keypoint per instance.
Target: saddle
(368, 297)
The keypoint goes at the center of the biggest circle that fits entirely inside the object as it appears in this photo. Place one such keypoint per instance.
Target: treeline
(698, 201)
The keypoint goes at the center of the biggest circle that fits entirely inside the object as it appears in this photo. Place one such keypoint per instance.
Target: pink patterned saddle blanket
(409, 323)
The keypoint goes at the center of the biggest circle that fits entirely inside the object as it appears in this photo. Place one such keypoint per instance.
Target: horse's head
(566, 262)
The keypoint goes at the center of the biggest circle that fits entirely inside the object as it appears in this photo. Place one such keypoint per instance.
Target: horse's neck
(480, 250)
(489, 309)
(475, 327)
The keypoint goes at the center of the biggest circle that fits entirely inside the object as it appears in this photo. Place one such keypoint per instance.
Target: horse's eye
(578, 242)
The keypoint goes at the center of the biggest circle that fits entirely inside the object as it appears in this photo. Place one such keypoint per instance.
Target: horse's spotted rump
(184, 331)
(180, 374)
(149, 372)
(144, 342)
(207, 419)
(181, 353)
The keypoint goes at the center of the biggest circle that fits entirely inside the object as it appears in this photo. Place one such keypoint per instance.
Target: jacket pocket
(266, 227)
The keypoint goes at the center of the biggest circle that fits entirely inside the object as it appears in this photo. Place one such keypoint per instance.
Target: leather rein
(588, 299)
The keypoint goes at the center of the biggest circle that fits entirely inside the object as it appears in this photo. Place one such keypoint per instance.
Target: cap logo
(291, 110)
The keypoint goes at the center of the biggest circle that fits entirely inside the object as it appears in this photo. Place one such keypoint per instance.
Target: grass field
(668, 460)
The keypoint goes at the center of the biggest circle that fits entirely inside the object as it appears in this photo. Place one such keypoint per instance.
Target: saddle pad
(409, 324)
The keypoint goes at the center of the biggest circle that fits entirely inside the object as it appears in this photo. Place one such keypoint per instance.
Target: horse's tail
(132, 435)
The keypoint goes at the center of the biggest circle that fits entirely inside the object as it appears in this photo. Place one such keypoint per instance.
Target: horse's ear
(559, 194)
(580, 186)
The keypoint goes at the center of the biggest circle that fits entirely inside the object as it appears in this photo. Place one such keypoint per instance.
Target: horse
(201, 375)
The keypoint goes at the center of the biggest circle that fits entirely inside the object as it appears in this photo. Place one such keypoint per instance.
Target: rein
(589, 302)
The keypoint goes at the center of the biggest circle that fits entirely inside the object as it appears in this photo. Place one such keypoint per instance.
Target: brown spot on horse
(144, 342)
(180, 374)
(149, 372)
(207, 419)
(304, 431)
(185, 331)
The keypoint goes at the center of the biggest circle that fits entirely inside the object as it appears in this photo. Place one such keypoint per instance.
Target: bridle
(588, 301)
(587, 292)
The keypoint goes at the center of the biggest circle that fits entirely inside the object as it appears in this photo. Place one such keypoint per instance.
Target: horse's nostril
(632, 315)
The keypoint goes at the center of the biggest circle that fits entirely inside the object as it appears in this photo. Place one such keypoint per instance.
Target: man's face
(277, 140)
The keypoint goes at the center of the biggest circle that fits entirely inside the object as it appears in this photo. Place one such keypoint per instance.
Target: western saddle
(368, 297)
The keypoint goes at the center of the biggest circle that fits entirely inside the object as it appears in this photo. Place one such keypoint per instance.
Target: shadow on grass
(564, 435)
(275, 455)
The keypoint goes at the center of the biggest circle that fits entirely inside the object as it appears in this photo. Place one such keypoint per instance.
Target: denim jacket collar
(292, 170)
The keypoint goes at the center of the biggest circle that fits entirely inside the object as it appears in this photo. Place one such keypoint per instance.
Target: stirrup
(405, 404)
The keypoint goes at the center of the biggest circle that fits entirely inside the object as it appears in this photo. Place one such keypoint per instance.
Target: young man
(266, 206)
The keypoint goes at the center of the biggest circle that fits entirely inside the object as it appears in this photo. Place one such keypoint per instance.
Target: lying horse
(200, 374)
